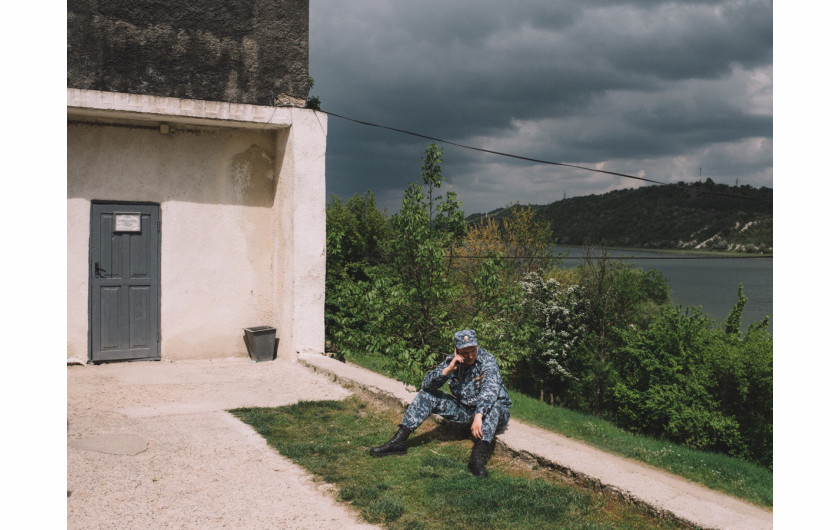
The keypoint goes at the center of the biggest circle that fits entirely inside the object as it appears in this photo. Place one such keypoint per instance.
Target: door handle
(97, 270)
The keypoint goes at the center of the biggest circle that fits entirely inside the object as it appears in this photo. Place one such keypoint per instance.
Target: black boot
(395, 446)
(480, 454)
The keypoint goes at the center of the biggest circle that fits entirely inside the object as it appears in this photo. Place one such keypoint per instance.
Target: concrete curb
(662, 493)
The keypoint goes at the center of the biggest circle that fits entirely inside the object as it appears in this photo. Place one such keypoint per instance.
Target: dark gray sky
(649, 88)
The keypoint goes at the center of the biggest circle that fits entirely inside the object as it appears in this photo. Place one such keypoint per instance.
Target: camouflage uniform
(475, 389)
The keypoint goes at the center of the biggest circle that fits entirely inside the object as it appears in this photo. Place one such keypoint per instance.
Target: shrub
(696, 385)
(559, 319)
(615, 295)
(355, 231)
(665, 382)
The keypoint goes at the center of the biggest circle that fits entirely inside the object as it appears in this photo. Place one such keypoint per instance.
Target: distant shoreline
(682, 251)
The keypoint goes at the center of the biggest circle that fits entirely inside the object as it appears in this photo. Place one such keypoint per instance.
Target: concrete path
(149, 445)
(660, 491)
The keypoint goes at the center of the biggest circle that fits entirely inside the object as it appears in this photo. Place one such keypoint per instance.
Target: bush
(558, 318)
(666, 381)
(696, 385)
(355, 231)
(488, 266)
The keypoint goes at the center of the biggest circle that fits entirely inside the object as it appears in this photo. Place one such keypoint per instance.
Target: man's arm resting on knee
(490, 389)
(476, 425)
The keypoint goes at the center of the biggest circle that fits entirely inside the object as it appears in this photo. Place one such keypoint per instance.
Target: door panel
(110, 319)
(138, 315)
(125, 282)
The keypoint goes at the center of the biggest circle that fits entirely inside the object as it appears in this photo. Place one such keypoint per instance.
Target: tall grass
(717, 471)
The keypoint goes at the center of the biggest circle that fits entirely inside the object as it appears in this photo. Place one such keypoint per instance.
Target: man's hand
(453, 365)
(476, 426)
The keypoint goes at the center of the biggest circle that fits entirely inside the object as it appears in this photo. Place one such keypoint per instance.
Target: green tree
(355, 232)
(733, 320)
(489, 264)
(432, 176)
(410, 296)
(743, 382)
(616, 295)
(528, 239)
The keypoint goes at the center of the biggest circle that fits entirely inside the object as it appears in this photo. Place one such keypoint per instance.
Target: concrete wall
(243, 51)
(301, 210)
(241, 191)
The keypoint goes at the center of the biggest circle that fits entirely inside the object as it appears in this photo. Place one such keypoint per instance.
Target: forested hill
(675, 216)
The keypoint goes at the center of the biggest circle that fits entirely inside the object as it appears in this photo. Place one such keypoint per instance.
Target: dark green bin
(260, 341)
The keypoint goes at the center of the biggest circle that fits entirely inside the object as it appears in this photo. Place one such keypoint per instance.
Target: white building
(190, 220)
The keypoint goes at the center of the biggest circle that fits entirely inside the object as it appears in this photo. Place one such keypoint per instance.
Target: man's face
(469, 354)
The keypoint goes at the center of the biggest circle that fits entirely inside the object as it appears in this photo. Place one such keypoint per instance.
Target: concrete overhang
(95, 105)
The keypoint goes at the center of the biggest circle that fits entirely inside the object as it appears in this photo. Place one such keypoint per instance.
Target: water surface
(711, 284)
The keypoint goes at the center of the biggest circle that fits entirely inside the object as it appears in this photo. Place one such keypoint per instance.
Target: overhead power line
(595, 258)
(539, 161)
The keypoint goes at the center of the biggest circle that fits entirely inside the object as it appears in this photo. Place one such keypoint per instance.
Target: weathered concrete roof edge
(124, 105)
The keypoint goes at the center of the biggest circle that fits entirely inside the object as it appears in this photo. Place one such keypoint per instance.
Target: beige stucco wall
(241, 191)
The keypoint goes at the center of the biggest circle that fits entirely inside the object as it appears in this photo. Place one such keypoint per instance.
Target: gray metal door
(124, 281)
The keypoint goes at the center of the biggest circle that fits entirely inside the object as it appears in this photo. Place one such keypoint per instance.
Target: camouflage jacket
(476, 387)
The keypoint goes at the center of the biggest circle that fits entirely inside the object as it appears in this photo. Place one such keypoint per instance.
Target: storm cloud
(649, 88)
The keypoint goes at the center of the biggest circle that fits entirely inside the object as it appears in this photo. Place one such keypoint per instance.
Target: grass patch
(724, 473)
(430, 487)
(714, 470)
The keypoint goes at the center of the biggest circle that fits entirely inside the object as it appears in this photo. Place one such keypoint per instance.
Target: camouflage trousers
(428, 402)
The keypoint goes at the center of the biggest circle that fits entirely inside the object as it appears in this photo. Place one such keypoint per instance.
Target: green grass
(430, 487)
(717, 471)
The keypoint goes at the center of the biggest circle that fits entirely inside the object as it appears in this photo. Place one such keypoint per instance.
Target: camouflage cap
(465, 339)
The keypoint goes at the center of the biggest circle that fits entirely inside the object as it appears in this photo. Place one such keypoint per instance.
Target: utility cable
(539, 161)
(595, 258)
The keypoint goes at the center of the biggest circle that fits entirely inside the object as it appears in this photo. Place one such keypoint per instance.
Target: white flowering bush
(559, 316)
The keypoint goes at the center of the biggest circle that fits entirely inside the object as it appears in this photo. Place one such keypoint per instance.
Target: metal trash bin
(260, 340)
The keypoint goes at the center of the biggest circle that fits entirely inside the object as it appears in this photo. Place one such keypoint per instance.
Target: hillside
(676, 216)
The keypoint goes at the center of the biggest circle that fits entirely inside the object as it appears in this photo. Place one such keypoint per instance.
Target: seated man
(478, 396)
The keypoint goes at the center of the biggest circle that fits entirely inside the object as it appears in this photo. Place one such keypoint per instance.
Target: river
(711, 284)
